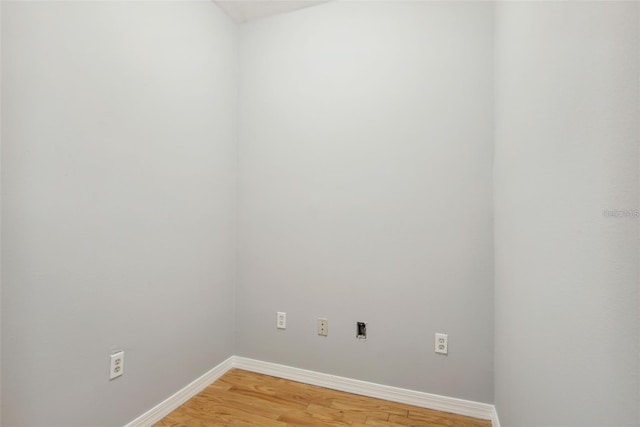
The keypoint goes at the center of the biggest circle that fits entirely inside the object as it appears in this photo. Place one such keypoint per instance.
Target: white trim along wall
(410, 397)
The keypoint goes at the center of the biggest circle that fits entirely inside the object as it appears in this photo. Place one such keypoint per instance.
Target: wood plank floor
(241, 398)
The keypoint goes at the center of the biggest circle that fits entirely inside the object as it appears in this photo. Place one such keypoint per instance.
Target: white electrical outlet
(442, 343)
(323, 327)
(281, 322)
(117, 365)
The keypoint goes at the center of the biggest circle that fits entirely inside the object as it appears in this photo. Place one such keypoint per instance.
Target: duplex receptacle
(323, 327)
(442, 343)
(116, 365)
(281, 320)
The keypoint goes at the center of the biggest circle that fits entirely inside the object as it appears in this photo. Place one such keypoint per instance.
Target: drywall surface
(365, 192)
(566, 223)
(118, 205)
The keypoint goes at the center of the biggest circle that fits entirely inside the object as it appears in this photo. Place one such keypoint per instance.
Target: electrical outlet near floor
(116, 367)
(323, 327)
(281, 320)
(442, 343)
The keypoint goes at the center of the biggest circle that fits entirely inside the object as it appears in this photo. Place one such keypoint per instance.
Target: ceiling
(247, 10)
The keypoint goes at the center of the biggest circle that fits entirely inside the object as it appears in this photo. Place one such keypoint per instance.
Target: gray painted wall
(118, 213)
(365, 192)
(566, 294)
(366, 144)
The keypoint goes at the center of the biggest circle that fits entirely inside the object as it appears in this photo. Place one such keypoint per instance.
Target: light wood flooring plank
(241, 398)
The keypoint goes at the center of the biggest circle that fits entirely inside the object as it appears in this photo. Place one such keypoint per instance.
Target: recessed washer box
(361, 330)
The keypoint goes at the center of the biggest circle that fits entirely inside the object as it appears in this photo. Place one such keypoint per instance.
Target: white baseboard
(495, 422)
(163, 409)
(410, 397)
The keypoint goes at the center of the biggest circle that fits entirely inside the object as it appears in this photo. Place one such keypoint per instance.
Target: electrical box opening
(361, 330)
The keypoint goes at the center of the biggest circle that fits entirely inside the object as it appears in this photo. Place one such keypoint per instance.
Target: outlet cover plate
(116, 365)
(281, 322)
(442, 343)
(323, 327)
